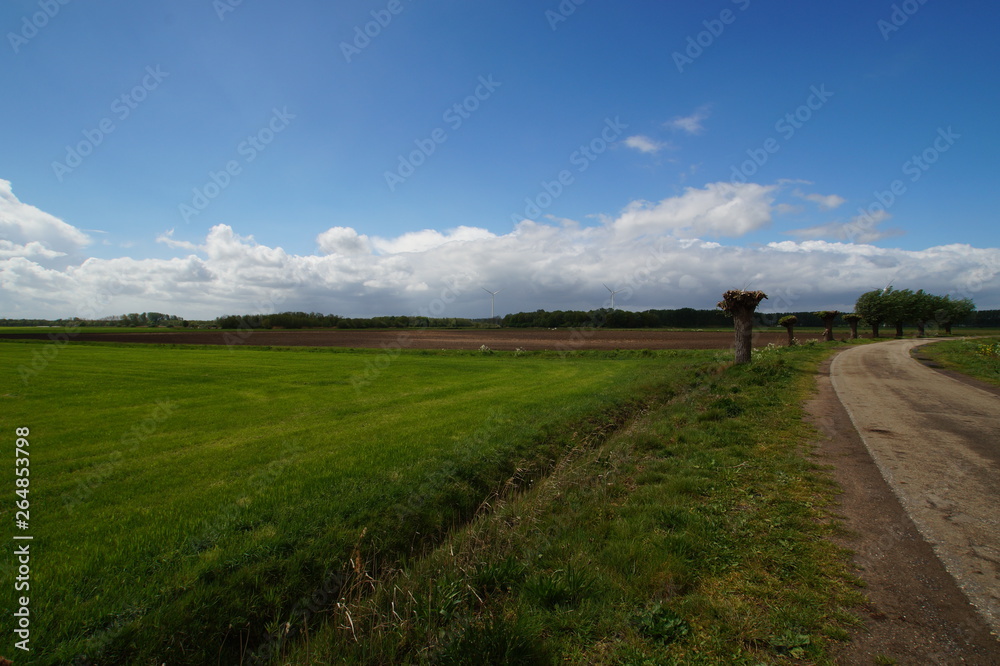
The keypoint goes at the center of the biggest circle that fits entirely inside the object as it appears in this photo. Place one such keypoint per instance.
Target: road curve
(937, 442)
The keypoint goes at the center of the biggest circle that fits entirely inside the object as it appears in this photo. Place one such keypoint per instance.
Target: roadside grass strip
(979, 358)
(696, 534)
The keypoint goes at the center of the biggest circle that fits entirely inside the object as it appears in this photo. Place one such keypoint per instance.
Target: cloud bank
(667, 254)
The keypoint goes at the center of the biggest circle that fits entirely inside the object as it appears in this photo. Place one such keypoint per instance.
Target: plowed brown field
(507, 339)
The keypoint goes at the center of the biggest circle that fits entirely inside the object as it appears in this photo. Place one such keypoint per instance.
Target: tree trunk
(899, 329)
(828, 332)
(791, 335)
(920, 329)
(947, 327)
(743, 323)
(854, 329)
(874, 330)
(740, 305)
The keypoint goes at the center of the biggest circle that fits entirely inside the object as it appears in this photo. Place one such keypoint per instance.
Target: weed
(790, 643)
(559, 589)
(502, 576)
(494, 640)
(662, 624)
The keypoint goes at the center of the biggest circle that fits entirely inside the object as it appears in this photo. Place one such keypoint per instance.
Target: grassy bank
(185, 501)
(978, 358)
(694, 535)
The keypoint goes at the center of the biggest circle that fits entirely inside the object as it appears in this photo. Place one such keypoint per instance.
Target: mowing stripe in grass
(188, 498)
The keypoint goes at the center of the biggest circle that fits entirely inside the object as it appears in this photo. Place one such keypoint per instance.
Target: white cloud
(691, 124)
(30, 232)
(859, 229)
(644, 144)
(34, 249)
(824, 201)
(655, 251)
(421, 241)
(343, 240)
(718, 209)
(167, 238)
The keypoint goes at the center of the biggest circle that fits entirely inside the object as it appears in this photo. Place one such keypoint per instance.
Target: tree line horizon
(876, 308)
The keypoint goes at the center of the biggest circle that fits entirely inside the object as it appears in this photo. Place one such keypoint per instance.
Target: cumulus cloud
(167, 238)
(657, 253)
(718, 209)
(29, 232)
(343, 240)
(422, 241)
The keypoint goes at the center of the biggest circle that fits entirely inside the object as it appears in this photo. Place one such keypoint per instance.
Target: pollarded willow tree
(789, 322)
(852, 319)
(740, 305)
(828, 316)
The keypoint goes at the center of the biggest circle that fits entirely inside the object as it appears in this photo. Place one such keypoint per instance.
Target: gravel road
(936, 441)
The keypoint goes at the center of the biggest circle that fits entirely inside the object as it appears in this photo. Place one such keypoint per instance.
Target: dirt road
(936, 441)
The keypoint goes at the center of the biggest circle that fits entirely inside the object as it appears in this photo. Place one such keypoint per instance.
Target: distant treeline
(131, 319)
(606, 318)
(685, 318)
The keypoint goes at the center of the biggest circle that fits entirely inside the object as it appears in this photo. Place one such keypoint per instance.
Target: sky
(210, 157)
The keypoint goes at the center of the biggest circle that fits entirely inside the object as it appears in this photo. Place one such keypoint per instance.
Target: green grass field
(697, 534)
(184, 501)
(979, 358)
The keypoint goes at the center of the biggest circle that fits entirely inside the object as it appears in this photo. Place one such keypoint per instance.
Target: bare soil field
(505, 339)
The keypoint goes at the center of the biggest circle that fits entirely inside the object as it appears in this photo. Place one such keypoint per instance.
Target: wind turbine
(493, 296)
(613, 292)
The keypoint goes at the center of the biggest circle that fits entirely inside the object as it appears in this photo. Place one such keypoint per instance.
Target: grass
(978, 358)
(188, 501)
(696, 534)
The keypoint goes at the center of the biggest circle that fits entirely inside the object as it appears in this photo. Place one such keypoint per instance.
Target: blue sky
(203, 158)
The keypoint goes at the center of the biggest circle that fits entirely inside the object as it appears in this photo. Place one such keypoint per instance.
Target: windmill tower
(613, 292)
(493, 297)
